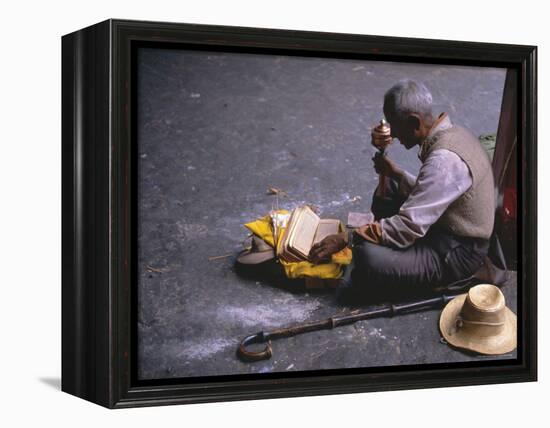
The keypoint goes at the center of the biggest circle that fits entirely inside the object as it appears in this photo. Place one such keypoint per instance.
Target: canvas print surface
(229, 139)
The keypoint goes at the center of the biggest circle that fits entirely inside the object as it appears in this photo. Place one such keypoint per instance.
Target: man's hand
(321, 252)
(371, 232)
(385, 166)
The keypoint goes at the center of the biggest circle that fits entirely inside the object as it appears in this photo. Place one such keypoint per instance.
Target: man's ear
(413, 122)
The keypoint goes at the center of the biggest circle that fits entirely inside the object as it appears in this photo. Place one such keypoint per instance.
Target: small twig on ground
(152, 269)
(219, 257)
(276, 191)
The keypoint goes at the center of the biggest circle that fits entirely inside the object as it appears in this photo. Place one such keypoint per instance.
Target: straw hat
(480, 321)
(259, 252)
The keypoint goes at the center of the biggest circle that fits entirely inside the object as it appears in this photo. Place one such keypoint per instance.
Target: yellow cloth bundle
(263, 228)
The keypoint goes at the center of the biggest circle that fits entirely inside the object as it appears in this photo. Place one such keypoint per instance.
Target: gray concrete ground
(215, 131)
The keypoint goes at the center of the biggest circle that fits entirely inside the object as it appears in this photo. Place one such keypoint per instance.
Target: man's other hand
(322, 251)
(385, 166)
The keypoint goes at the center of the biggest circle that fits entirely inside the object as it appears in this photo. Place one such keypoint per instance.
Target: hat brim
(505, 341)
(249, 257)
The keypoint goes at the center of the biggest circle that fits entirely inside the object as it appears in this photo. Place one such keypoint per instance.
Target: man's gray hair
(408, 96)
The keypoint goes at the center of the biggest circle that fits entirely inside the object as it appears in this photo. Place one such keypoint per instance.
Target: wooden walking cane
(389, 310)
(381, 139)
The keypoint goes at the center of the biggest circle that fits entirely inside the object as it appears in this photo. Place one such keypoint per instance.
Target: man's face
(404, 131)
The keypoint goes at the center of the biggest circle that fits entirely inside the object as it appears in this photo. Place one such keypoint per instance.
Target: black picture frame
(98, 223)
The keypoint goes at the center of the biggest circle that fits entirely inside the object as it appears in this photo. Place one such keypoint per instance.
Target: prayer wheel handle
(249, 356)
(381, 139)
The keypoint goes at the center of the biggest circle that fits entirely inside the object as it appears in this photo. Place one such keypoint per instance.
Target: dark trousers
(436, 260)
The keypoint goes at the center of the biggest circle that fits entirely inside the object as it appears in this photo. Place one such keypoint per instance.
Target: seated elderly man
(429, 230)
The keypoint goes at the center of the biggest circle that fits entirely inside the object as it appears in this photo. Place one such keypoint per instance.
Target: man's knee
(371, 269)
(368, 257)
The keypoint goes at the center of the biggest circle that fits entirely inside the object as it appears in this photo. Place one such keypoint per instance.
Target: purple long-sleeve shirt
(442, 179)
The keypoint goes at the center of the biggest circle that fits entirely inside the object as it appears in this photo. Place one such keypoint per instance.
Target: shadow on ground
(52, 382)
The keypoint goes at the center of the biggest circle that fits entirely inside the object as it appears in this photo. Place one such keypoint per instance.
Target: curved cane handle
(254, 356)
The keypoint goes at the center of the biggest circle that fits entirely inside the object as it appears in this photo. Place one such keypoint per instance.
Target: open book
(304, 229)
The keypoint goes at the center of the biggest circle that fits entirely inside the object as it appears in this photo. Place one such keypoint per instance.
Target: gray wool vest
(473, 213)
